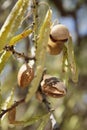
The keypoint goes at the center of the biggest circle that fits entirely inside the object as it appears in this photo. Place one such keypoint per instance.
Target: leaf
(9, 101)
(43, 124)
(72, 61)
(5, 55)
(40, 54)
(3, 59)
(12, 115)
(11, 97)
(13, 22)
(35, 119)
(0, 102)
(6, 104)
(19, 37)
(32, 120)
(65, 66)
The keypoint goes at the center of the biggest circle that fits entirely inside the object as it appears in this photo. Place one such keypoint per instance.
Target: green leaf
(40, 54)
(65, 66)
(3, 59)
(11, 97)
(0, 102)
(5, 55)
(32, 120)
(13, 22)
(35, 119)
(19, 37)
(43, 124)
(72, 61)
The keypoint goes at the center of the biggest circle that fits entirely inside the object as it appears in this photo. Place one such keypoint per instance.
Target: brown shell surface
(55, 44)
(55, 50)
(53, 91)
(25, 75)
(39, 96)
(52, 87)
(12, 115)
(59, 32)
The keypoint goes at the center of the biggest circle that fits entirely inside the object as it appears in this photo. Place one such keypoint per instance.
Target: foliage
(40, 42)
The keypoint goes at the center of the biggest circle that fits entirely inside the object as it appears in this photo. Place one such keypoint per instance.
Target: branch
(13, 106)
(11, 48)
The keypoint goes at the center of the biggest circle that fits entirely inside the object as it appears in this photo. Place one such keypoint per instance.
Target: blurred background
(71, 111)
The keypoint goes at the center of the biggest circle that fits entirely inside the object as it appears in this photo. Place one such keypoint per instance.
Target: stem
(11, 48)
(54, 123)
(40, 54)
(35, 22)
(13, 106)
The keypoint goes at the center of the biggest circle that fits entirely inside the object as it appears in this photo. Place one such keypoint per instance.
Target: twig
(13, 106)
(45, 101)
(11, 48)
(54, 123)
(35, 21)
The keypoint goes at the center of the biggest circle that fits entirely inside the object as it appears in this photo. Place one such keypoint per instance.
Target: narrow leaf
(72, 62)
(65, 66)
(19, 37)
(5, 56)
(40, 54)
(13, 22)
(32, 120)
(43, 124)
(3, 59)
(0, 102)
